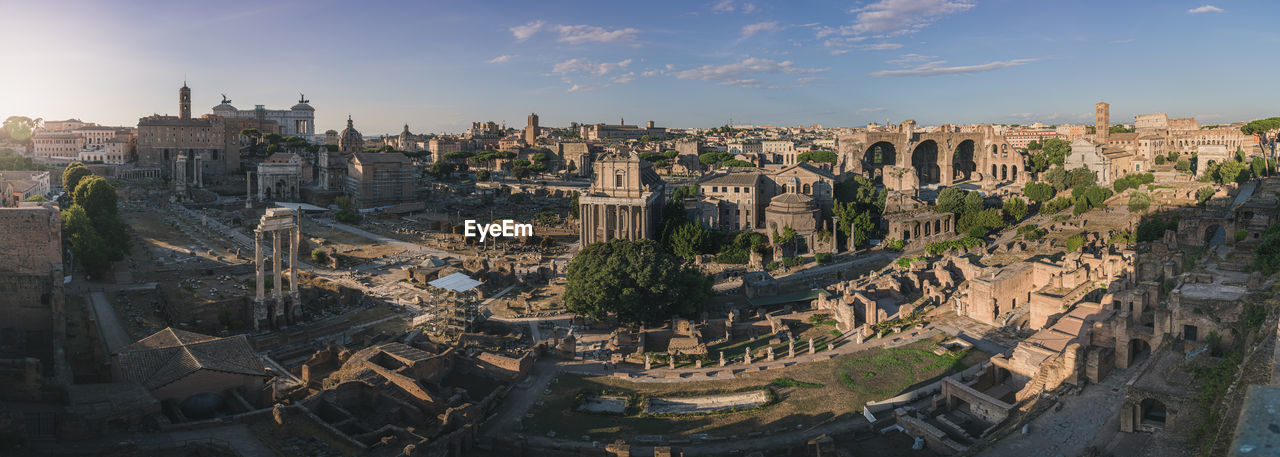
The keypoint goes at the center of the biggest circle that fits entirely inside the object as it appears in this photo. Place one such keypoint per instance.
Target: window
(617, 180)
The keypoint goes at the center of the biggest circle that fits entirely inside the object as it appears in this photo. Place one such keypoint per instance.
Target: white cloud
(752, 29)
(523, 32)
(625, 78)
(911, 58)
(589, 67)
(502, 58)
(810, 79)
(1126, 40)
(578, 34)
(1204, 9)
(840, 52)
(936, 68)
(737, 71)
(871, 110)
(581, 88)
(880, 46)
(896, 17)
(729, 6)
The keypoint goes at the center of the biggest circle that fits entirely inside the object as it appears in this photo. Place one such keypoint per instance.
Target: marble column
(275, 266)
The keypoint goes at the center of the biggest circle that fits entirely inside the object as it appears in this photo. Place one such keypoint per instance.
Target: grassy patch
(788, 382)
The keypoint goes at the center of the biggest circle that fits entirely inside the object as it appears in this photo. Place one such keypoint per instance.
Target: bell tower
(1103, 122)
(184, 101)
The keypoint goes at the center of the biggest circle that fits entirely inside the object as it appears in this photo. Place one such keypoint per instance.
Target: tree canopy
(1261, 125)
(72, 175)
(636, 281)
(817, 156)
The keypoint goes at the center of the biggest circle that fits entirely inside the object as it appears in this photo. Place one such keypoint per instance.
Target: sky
(438, 66)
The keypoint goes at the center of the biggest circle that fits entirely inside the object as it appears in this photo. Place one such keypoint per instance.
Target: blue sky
(439, 66)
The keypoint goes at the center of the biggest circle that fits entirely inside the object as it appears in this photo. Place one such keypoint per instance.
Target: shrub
(790, 261)
(1204, 194)
(1241, 235)
(940, 247)
(319, 256)
(894, 244)
(1139, 202)
(1159, 160)
(1075, 242)
(822, 257)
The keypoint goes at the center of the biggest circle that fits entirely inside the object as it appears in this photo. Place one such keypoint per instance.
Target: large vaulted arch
(925, 160)
(878, 156)
(963, 162)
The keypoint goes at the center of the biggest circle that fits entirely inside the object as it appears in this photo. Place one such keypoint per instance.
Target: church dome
(792, 203)
(224, 107)
(302, 107)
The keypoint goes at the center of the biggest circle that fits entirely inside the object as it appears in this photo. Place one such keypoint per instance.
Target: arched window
(807, 189)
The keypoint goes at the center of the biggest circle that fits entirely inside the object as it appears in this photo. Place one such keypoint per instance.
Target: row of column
(260, 309)
(628, 222)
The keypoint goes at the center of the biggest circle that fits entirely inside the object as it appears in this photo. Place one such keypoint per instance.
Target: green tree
(818, 156)
(973, 202)
(1056, 150)
(1057, 177)
(72, 175)
(1233, 171)
(1139, 202)
(319, 256)
(1075, 242)
(441, 168)
(88, 247)
(520, 172)
(1081, 177)
(951, 200)
(1015, 209)
(689, 240)
(18, 128)
(97, 196)
(1266, 256)
(1204, 194)
(636, 281)
(573, 204)
(737, 163)
(1183, 165)
(1261, 126)
(1038, 192)
(1258, 167)
(36, 198)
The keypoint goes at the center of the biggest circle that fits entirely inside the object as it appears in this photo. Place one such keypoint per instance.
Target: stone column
(648, 364)
(295, 294)
(770, 354)
(248, 189)
(257, 261)
(275, 269)
(791, 348)
(671, 361)
(810, 346)
(747, 360)
(721, 358)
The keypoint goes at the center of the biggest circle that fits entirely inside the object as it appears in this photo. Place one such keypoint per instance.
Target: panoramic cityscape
(724, 228)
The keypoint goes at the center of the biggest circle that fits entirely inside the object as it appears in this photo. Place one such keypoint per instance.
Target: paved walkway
(1084, 420)
(109, 325)
(236, 436)
(413, 248)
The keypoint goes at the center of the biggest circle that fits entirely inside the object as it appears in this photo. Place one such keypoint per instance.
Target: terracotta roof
(170, 355)
(732, 179)
(381, 157)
